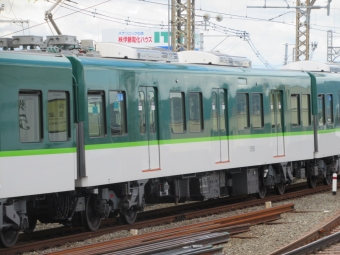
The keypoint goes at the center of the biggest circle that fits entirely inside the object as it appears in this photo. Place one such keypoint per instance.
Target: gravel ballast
(266, 238)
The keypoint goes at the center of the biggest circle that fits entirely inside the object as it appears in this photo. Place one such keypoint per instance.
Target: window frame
(183, 98)
(100, 93)
(247, 111)
(338, 109)
(298, 110)
(331, 110)
(323, 110)
(68, 118)
(309, 111)
(262, 110)
(41, 117)
(200, 97)
(125, 117)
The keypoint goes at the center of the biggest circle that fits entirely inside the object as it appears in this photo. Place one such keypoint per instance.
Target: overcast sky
(269, 28)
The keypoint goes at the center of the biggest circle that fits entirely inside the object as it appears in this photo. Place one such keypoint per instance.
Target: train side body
(327, 99)
(30, 163)
(112, 159)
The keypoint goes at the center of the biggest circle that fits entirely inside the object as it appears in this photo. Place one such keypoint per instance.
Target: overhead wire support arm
(308, 7)
(14, 21)
(49, 16)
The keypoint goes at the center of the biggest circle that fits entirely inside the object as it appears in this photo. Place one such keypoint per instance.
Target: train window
(242, 111)
(338, 107)
(305, 111)
(195, 112)
(214, 112)
(118, 113)
(295, 110)
(58, 116)
(96, 113)
(152, 112)
(257, 110)
(30, 116)
(321, 110)
(222, 111)
(177, 112)
(272, 110)
(329, 108)
(141, 110)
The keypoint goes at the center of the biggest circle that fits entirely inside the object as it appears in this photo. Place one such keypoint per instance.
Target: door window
(152, 112)
(222, 112)
(141, 110)
(329, 108)
(214, 111)
(321, 110)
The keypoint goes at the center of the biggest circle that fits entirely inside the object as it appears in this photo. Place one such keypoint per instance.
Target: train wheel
(311, 181)
(328, 179)
(262, 187)
(129, 216)
(91, 220)
(8, 237)
(32, 222)
(280, 188)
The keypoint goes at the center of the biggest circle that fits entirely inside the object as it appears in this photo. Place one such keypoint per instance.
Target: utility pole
(332, 52)
(302, 29)
(183, 25)
(303, 10)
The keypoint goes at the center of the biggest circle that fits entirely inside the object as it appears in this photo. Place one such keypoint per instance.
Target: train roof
(33, 58)
(152, 65)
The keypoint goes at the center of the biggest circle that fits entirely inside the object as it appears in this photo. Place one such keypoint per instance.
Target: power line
(241, 17)
(54, 19)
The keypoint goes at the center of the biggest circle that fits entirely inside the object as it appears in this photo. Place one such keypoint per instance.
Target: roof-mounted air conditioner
(312, 66)
(212, 58)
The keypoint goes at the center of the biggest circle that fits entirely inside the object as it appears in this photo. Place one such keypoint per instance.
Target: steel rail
(311, 236)
(317, 245)
(160, 240)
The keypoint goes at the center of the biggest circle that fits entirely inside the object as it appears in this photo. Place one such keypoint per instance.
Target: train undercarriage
(87, 207)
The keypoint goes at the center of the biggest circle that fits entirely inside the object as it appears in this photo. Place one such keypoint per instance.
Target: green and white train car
(83, 138)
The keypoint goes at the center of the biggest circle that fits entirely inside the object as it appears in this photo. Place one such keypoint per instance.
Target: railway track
(323, 235)
(63, 235)
(159, 241)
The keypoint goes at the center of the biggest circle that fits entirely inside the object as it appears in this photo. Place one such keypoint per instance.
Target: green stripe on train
(36, 152)
(155, 142)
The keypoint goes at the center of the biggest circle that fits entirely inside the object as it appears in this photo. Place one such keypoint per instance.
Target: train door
(147, 107)
(276, 109)
(219, 124)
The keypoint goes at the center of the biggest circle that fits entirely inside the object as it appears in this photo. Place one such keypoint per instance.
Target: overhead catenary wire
(152, 25)
(242, 17)
(54, 19)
